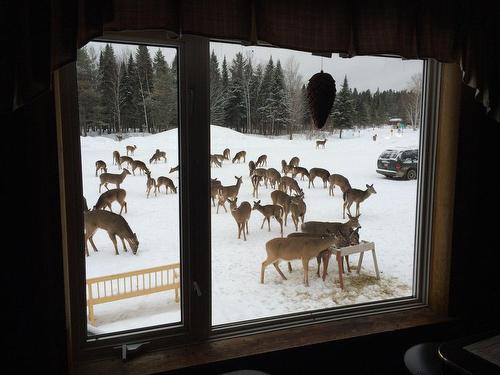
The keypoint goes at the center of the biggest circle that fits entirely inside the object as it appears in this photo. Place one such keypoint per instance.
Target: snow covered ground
(387, 218)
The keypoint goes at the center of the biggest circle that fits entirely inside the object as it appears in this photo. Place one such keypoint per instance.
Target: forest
(139, 93)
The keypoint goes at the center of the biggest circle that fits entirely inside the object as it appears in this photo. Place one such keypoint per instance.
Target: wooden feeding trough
(355, 249)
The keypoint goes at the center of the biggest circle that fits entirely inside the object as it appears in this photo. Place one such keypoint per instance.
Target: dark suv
(399, 162)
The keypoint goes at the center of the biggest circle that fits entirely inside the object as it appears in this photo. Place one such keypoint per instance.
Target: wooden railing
(131, 284)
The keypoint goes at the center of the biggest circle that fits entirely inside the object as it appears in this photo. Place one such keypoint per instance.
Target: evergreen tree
(88, 98)
(280, 113)
(266, 109)
(225, 92)
(144, 72)
(217, 97)
(109, 89)
(173, 96)
(342, 111)
(255, 89)
(162, 83)
(236, 98)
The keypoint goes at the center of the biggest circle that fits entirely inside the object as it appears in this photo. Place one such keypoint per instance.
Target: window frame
(193, 82)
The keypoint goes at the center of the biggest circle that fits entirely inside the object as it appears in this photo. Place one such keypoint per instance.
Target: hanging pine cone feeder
(320, 94)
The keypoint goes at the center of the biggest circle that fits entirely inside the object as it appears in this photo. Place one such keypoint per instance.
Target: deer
(214, 189)
(261, 161)
(112, 178)
(100, 165)
(374, 137)
(284, 200)
(324, 227)
(289, 183)
(215, 161)
(298, 210)
(167, 182)
(109, 197)
(220, 157)
(85, 206)
(261, 172)
(294, 162)
(241, 214)
(256, 183)
(150, 183)
(131, 149)
(125, 159)
(174, 169)
(320, 143)
(318, 172)
(356, 195)
(226, 153)
(340, 181)
(303, 248)
(221, 201)
(269, 210)
(240, 155)
(251, 167)
(112, 223)
(342, 241)
(158, 155)
(232, 190)
(138, 164)
(116, 158)
(300, 170)
(273, 177)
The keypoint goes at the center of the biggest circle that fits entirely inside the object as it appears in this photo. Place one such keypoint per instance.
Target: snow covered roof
(395, 119)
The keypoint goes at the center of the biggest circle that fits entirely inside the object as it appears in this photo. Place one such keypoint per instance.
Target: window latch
(129, 350)
(197, 288)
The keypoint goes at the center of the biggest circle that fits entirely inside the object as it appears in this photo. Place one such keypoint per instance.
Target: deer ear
(367, 185)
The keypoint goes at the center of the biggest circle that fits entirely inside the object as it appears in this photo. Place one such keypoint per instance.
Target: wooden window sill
(215, 350)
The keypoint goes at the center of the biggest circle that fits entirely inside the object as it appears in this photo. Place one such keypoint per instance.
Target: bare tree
(413, 100)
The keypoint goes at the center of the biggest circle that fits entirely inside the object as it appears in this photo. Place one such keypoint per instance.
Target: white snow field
(387, 218)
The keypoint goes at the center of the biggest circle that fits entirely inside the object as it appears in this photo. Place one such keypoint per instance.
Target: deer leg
(305, 265)
(318, 260)
(239, 230)
(109, 206)
(91, 240)
(278, 219)
(275, 264)
(289, 267)
(113, 239)
(246, 225)
(268, 223)
(326, 259)
(121, 209)
(243, 230)
(357, 208)
(263, 221)
(347, 263)
(263, 268)
(123, 243)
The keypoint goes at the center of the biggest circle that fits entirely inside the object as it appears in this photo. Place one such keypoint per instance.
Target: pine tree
(144, 72)
(280, 113)
(266, 109)
(162, 83)
(342, 111)
(88, 97)
(236, 99)
(109, 89)
(217, 97)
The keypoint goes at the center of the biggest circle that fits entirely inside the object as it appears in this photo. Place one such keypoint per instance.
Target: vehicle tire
(411, 174)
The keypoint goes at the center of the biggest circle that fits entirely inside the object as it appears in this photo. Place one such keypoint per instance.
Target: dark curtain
(465, 32)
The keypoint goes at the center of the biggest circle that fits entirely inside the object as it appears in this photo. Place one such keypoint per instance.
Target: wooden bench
(354, 249)
(131, 284)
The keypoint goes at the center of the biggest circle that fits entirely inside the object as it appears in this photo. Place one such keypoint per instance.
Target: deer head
(370, 188)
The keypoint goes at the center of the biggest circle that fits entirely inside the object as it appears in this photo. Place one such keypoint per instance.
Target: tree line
(134, 93)
(139, 93)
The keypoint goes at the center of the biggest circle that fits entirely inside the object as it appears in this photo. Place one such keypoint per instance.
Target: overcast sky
(362, 72)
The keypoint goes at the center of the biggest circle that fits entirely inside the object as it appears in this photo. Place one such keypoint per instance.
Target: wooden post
(375, 263)
(339, 263)
(90, 304)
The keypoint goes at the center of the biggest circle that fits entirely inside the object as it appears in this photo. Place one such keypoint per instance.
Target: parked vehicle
(399, 163)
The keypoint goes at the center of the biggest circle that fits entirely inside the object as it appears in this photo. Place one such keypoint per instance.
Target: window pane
(259, 109)
(128, 106)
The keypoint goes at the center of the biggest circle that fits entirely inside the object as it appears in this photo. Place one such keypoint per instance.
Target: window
(218, 274)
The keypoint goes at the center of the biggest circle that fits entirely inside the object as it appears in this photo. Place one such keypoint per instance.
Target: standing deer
(112, 223)
(261, 172)
(288, 249)
(220, 157)
(298, 210)
(273, 176)
(240, 155)
(256, 183)
(109, 197)
(221, 201)
(294, 162)
(214, 189)
(340, 181)
(320, 143)
(100, 165)
(150, 183)
(226, 153)
(289, 183)
(270, 210)
(125, 159)
(167, 182)
(318, 172)
(116, 158)
(300, 170)
(174, 169)
(356, 195)
(158, 155)
(138, 164)
(241, 214)
(284, 200)
(261, 161)
(232, 190)
(374, 137)
(324, 227)
(111, 178)
(131, 149)
(251, 167)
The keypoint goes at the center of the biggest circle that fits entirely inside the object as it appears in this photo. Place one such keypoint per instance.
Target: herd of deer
(114, 224)
(316, 239)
